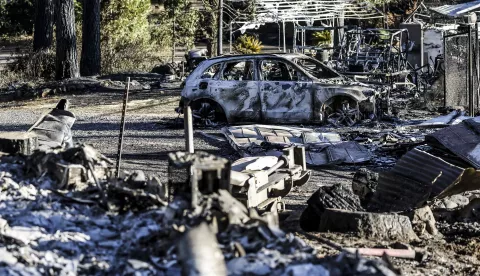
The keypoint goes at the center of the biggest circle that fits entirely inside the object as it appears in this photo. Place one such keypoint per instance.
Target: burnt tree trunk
(90, 62)
(43, 32)
(66, 64)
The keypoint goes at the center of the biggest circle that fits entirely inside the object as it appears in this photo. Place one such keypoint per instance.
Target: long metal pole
(188, 124)
(471, 106)
(122, 127)
(284, 41)
(220, 28)
(477, 66)
(445, 72)
(231, 38)
(422, 54)
(173, 38)
(295, 37)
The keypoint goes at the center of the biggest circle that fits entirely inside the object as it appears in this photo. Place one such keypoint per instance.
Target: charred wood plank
(18, 142)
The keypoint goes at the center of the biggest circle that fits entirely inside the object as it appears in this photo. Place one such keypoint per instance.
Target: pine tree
(90, 62)
(66, 53)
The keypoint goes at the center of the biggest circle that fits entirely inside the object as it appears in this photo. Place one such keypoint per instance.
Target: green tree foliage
(16, 17)
(322, 38)
(186, 24)
(125, 35)
(247, 44)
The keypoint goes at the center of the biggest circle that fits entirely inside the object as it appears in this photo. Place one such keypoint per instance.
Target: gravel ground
(151, 133)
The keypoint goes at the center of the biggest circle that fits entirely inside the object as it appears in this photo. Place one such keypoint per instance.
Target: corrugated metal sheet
(462, 139)
(457, 10)
(396, 193)
(426, 168)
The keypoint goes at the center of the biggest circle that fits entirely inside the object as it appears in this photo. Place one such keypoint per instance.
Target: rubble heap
(84, 221)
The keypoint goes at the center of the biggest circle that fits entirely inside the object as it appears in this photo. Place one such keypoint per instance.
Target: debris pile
(397, 204)
(72, 223)
(321, 148)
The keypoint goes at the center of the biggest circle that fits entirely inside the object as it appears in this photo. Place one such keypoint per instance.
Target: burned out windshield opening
(316, 68)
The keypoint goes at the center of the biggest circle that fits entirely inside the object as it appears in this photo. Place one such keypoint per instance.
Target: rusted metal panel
(397, 193)
(462, 139)
(426, 168)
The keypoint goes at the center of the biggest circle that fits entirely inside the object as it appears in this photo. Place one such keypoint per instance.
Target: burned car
(274, 88)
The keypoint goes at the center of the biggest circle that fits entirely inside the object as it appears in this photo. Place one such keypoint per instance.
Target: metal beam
(471, 98)
(220, 29)
(188, 124)
(122, 127)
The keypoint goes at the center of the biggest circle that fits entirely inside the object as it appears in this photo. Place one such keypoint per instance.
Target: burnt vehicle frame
(288, 93)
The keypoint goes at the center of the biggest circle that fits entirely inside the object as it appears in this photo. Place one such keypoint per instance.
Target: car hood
(348, 84)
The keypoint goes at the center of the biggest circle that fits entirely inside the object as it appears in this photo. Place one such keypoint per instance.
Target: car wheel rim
(345, 115)
(204, 114)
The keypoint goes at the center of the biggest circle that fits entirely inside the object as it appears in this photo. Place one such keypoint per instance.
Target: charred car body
(277, 88)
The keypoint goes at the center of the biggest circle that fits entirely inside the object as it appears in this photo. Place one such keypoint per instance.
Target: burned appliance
(261, 182)
(192, 174)
(258, 182)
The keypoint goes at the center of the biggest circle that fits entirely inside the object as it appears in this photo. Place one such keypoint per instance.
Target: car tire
(341, 111)
(207, 113)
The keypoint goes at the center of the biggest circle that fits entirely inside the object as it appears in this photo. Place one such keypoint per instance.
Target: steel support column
(188, 124)
(471, 98)
(231, 38)
(220, 28)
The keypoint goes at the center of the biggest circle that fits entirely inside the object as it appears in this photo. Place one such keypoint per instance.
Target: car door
(237, 90)
(285, 92)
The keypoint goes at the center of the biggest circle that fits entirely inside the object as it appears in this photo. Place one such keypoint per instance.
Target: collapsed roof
(258, 12)
(457, 10)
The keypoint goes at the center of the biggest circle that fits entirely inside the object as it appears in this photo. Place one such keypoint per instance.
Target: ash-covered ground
(153, 130)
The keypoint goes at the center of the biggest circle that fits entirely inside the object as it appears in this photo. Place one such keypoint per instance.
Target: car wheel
(341, 111)
(206, 113)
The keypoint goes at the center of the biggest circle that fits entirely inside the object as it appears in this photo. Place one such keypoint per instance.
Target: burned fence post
(122, 127)
(193, 174)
